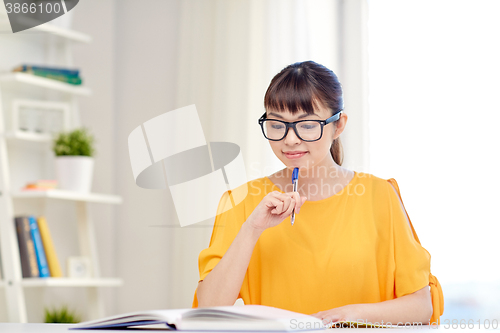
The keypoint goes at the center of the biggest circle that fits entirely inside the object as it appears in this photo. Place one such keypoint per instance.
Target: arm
(222, 285)
(413, 308)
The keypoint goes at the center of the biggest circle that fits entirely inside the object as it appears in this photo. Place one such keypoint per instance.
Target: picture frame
(79, 268)
(40, 117)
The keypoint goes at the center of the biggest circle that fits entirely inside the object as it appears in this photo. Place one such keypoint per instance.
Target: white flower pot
(74, 173)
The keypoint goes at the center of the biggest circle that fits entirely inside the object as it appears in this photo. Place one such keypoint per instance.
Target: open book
(221, 318)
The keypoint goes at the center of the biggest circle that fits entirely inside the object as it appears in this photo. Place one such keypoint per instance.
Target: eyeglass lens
(306, 130)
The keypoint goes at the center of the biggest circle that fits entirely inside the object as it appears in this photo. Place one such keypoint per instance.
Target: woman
(351, 254)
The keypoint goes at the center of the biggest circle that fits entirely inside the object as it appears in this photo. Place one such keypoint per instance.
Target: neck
(317, 182)
(320, 173)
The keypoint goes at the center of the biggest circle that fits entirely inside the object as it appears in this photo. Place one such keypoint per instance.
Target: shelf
(28, 136)
(44, 83)
(47, 28)
(68, 195)
(71, 282)
(62, 32)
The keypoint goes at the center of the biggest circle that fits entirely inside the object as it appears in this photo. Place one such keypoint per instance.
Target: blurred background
(421, 89)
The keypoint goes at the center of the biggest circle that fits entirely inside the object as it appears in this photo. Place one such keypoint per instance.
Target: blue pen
(295, 182)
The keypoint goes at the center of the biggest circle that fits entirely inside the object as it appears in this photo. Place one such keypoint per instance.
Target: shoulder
(372, 184)
(385, 198)
(249, 192)
(384, 193)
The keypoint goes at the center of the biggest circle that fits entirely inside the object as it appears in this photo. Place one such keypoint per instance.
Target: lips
(295, 154)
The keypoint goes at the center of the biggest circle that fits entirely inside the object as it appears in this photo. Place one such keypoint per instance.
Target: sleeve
(412, 261)
(227, 224)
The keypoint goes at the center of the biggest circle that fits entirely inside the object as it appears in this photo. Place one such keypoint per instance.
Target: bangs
(293, 93)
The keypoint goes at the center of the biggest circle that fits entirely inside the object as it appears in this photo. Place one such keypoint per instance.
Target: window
(434, 71)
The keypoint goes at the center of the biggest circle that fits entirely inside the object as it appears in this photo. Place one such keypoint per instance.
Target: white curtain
(229, 50)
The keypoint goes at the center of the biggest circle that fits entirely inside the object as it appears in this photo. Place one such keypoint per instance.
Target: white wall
(146, 60)
(131, 66)
(97, 112)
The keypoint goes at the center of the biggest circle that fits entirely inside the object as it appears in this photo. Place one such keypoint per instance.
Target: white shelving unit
(65, 282)
(68, 195)
(23, 78)
(48, 28)
(12, 282)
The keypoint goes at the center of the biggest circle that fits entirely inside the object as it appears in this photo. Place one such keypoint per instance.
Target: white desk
(60, 328)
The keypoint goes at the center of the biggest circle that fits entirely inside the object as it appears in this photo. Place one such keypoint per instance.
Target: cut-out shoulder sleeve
(401, 205)
(412, 261)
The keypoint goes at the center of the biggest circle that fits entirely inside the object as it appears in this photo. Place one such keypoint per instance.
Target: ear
(340, 125)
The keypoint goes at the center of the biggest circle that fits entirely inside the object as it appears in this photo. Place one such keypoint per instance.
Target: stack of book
(38, 255)
(71, 76)
(41, 185)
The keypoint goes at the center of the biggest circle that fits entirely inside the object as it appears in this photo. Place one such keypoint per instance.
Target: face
(312, 154)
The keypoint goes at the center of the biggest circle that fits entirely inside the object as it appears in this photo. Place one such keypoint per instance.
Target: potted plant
(61, 315)
(74, 160)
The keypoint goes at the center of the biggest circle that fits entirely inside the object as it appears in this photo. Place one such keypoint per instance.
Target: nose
(291, 138)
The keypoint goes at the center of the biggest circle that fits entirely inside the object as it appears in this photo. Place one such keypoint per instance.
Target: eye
(309, 125)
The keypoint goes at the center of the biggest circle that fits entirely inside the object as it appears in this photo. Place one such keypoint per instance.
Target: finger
(276, 204)
(318, 315)
(290, 208)
(302, 201)
(328, 322)
(331, 318)
(284, 200)
(287, 195)
(296, 198)
(299, 201)
(278, 208)
(287, 203)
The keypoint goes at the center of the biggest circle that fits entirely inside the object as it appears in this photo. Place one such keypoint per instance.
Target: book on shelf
(39, 250)
(37, 253)
(29, 265)
(222, 318)
(50, 251)
(54, 70)
(53, 73)
(40, 185)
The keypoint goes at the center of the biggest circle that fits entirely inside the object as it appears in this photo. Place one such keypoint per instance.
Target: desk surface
(59, 328)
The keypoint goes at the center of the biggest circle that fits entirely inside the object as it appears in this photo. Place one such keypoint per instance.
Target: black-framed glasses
(306, 130)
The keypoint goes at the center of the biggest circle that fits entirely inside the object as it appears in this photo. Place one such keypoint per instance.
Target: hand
(274, 208)
(343, 313)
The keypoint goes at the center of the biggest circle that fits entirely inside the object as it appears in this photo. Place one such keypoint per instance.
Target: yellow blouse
(354, 247)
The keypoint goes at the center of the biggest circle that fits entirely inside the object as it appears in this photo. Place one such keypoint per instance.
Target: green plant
(75, 143)
(62, 315)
